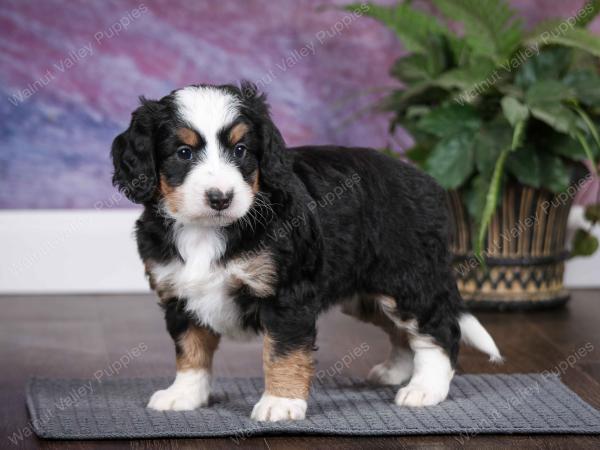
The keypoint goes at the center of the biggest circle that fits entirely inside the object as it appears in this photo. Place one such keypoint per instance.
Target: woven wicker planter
(525, 251)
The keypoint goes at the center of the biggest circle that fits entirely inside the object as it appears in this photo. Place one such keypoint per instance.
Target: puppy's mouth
(217, 219)
(222, 216)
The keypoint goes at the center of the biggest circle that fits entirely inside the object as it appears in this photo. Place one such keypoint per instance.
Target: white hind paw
(389, 374)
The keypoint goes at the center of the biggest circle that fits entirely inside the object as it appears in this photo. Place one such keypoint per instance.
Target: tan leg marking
(198, 345)
(288, 375)
(191, 387)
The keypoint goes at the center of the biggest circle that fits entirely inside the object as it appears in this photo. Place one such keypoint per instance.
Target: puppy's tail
(476, 336)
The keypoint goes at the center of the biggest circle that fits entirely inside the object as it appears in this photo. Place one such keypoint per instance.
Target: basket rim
(521, 261)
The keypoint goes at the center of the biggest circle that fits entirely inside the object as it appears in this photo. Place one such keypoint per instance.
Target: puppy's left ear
(278, 179)
(275, 167)
(133, 154)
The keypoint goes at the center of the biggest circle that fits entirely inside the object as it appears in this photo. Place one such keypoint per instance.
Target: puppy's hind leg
(433, 369)
(398, 367)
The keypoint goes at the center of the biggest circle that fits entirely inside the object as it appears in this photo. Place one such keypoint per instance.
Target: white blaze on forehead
(207, 110)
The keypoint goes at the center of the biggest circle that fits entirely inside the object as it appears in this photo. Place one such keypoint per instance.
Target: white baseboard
(69, 251)
(81, 251)
(582, 271)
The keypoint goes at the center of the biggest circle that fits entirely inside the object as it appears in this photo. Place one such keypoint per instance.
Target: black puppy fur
(340, 221)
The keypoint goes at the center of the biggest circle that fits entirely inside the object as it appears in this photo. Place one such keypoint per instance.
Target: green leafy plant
(493, 104)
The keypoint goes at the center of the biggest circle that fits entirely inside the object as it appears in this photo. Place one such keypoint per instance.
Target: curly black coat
(338, 222)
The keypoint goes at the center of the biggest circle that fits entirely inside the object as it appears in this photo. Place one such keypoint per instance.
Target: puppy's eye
(239, 151)
(184, 152)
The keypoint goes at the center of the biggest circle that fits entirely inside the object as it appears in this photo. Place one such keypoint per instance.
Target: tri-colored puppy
(241, 235)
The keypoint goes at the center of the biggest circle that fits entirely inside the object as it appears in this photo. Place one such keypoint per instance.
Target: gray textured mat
(85, 409)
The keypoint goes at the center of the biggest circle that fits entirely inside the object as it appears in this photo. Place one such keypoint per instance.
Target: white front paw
(176, 400)
(189, 391)
(415, 394)
(271, 409)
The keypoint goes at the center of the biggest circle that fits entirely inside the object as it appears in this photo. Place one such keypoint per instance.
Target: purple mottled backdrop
(71, 72)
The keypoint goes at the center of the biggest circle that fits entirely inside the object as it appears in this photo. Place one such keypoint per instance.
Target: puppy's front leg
(194, 347)
(288, 373)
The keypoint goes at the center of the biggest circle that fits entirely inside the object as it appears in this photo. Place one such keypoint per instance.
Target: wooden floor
(62, 336)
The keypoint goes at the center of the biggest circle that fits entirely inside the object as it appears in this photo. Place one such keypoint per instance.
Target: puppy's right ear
(133, 154)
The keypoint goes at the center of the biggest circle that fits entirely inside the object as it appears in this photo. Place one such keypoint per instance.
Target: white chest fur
(202, 281)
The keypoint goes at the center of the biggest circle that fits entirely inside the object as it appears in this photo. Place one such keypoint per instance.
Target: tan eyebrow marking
(237, 133)
(188, 137)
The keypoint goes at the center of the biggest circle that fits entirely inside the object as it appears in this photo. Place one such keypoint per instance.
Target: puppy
(241, 235)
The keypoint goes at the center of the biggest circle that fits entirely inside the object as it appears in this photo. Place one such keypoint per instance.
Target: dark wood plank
(62, 336)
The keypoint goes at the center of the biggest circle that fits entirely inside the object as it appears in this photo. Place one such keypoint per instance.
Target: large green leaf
(450, 119)
(490, 141)
(492, 29)
(556, 115)
(583, 61)
(547, 92)
(514, 110)
(473, 80)
(564, 145)
(460, 50)
(474, 196)
(412, 26)
(579, 38)
(464, 78)
(586, 148)
(556, 175)
(419, 67)
(590, 11)
(452, 160)
(586, 85)
(418, 154)
(525, 165)
(544, 100)
(591, 130)
(550, 64)
(421, 139)
(414, 112)
(517, 114)
(432, 68)
(412, 68)
(421, 93)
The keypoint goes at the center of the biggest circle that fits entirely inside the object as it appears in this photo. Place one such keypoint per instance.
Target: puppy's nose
(219, 200)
